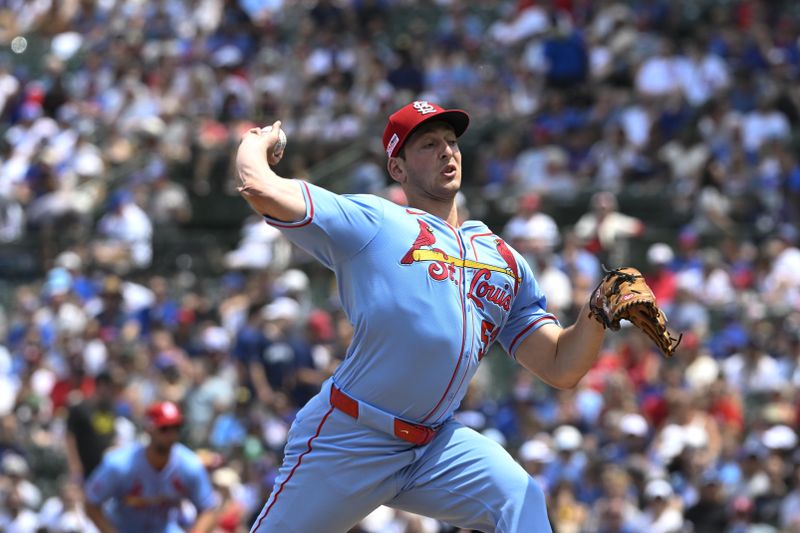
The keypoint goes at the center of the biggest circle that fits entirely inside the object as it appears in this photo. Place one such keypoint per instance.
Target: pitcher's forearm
(273, 196)
(578, 347)
(561, 357)
(265, 191)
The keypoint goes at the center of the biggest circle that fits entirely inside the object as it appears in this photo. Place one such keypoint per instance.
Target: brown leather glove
(623, 294)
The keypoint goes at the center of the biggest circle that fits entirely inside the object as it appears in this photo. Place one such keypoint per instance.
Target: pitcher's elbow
(565, 381)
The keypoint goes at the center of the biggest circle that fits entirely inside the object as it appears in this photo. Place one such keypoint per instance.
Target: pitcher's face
(431, 166)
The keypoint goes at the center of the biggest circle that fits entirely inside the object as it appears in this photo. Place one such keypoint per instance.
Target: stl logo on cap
(423, 107)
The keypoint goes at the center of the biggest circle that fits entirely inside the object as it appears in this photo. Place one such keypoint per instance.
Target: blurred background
(653, 133)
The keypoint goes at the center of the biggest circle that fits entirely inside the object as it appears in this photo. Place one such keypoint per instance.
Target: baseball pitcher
(427, 296)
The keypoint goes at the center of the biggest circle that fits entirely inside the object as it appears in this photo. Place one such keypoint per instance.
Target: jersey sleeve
(528, 313)
(335, 227)
(102, 483)
(201, 493)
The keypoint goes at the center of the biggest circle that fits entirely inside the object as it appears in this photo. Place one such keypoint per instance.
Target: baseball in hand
(280, 145)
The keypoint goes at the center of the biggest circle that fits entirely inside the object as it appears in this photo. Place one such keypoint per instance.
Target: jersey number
(488, 334)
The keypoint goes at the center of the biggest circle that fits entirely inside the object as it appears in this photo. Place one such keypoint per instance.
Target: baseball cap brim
(455, 117)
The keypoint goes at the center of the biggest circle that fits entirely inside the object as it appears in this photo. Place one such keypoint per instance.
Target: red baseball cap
(164, 414)
(405, 120)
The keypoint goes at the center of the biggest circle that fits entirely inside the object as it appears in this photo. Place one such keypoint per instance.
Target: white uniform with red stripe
(426, 301)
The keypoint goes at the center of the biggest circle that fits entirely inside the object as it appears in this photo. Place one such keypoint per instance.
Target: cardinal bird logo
(443, 265)
(508, 257)
(424, 239)
(178, 486)
(134, 496)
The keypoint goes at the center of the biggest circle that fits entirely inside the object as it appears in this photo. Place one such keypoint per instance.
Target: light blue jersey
(138, 498)
(460, 288)
(426, 300)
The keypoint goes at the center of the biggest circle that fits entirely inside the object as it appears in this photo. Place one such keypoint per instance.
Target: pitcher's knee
(534, 495)
(524, 508)
(528, 494)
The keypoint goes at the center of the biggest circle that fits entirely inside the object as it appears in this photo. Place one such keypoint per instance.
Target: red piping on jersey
(475, 252)
(412, 212)
(286, 225)
(472, 242)
(463, 328)
(299, 460)
(463, 374)
(528, 327)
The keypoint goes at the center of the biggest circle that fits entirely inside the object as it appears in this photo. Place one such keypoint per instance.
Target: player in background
(427, 295)
(141, 487)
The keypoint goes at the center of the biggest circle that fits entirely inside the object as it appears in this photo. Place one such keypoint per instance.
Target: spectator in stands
(167, 203)
(534, 455)
(530, 230)
(214, 382)
(764, 123)
(581, 265)
(569, 515)
(660, 278)
(12, 220)
(790, 507)
(91, 428)
(752, 371)
(553, 281)
(126, 233)
(261, 247)
(570, 459)
(16, 515)
(712, 206)
(616, 510)
(781, 285)
(709, 512)
(657, 77)
(610, 159)
(65, 513)
(566, 56)
(605, 231)
(664, 513)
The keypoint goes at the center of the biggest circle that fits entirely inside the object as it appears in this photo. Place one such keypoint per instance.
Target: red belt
(409, 432)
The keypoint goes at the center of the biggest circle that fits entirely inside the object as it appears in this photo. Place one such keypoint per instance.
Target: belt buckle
(414, 433)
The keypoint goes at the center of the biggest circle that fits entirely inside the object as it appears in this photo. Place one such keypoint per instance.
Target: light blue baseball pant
(336, 471)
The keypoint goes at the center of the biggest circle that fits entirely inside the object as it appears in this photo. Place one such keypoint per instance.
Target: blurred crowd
(122, 112)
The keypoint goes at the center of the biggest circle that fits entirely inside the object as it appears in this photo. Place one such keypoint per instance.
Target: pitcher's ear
(396, 168)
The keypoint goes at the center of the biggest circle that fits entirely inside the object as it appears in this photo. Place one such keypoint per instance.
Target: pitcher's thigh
(306, 504)
(470, 481)
(328, 481)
